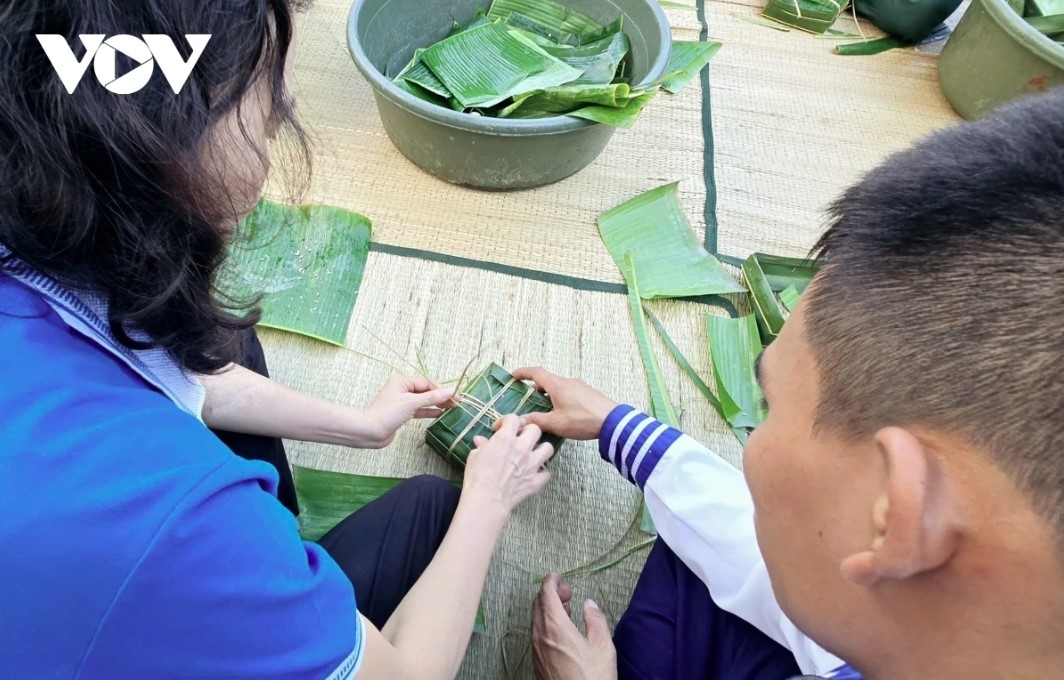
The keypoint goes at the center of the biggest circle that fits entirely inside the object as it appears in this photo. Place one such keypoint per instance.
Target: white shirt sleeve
(703, 511)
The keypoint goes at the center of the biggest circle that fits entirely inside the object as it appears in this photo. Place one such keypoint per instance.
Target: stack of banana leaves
(537, 58)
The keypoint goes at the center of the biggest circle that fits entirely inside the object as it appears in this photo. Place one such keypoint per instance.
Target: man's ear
(916, 519)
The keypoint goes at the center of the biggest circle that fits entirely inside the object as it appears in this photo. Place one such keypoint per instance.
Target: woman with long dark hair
(135, 543)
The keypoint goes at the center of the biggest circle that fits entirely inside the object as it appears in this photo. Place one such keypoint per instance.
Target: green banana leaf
(546, 12)
(327, 498)
(668, 258)
(420, 92)
(417, 73)
(598, 61)
(789, 297)
(307, 262)
(491, 394)
(1051, 25)
(660, 405)
(555, 100)
(686, 61)
(623, 117)
(488, 64)
(1041, 8)
(734, 346)
(543, 34)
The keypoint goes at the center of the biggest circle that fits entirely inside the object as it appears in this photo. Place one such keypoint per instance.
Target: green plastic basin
(476, 151)
(994, 56)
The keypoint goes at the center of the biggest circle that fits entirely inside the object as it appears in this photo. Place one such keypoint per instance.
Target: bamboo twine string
(490, 406)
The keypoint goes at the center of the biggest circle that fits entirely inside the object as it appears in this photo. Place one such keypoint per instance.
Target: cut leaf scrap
(563, 98)
(685, 63)
(623, 117)
(307, 262)
(866, 48)
(668, 258)
(734, 346)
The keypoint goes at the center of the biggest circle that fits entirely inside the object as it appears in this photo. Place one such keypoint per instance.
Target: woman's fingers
(541, 454)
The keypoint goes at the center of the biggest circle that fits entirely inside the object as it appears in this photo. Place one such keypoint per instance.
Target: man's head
(915, 437)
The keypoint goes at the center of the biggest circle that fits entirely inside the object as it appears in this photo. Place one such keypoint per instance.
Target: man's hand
(579, 409)
(401, 398)
(559, 651)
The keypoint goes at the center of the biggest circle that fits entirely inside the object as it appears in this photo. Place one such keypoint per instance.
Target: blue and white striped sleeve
(702, 508)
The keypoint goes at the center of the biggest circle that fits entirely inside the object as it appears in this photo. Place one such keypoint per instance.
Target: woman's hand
(507, 469)
(403, 397)
(559, 651)
(579, 409)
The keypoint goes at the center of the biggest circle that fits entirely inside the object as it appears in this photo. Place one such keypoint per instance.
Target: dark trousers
(385, 546)
(674, 631)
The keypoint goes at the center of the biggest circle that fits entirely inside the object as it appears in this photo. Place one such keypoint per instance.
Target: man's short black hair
(940, 301)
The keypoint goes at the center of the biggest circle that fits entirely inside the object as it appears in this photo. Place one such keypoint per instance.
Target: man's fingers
(541, 454)
(544, 379)
(598, 628)
(547, 422)
(428, 412)
(529, 435)
(479, 441)
(550, 603)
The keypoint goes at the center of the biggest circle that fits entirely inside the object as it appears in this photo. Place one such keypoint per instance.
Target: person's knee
(437, 489)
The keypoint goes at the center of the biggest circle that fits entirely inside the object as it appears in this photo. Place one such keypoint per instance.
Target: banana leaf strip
(555, 100)
(660, 405)
(417, 73)
(734, 345)
(547, 12)
(598, 61)
(685, 365)
(667, 255)
(492, 394)
(307, 263)
(488, 64)
(685, 63)
(866, 48)
(327, 498)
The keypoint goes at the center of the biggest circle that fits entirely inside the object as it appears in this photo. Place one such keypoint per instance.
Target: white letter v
(169, 59)
(64, 62)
